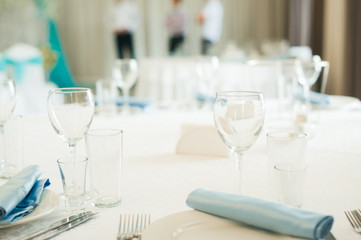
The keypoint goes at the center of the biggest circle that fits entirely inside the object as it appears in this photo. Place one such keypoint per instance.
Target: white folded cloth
(198, 139)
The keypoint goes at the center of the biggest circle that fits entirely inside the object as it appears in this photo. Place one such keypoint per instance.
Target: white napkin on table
(198, 139)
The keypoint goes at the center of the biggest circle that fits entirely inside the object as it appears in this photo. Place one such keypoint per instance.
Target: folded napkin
(263, 214)
(135, 102)
(198, 139)
(319, 98)
(21, 194)
(315, 98)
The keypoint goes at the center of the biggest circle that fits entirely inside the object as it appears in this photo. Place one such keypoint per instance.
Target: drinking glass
(125, 72)
(73, 176)
(7, 105)
(71, 112)
(239, 117)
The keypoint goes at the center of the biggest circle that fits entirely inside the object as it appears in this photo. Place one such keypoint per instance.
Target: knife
(65, 227)
(55, 225)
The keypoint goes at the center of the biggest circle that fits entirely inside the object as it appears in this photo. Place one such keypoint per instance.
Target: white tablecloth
(157, 181)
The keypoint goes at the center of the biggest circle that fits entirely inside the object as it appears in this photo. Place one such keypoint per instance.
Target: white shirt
(125, 16)
(213, 17)
(176, 20)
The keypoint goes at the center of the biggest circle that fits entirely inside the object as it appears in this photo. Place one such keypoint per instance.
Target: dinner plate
(49, 202)
(196, 225)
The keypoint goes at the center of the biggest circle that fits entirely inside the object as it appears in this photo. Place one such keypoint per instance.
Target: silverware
(126, 227)
(354, 217)
(143, 221)
(55, 225)
(65, 227)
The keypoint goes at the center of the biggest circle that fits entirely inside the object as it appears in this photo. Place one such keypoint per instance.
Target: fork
(143, 221)
(126, 227)
(354, 217)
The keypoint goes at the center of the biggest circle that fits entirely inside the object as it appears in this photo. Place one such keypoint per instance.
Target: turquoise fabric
(21, 194)
(60, 74)
(2, 64)
(19, 66)
(260, 213)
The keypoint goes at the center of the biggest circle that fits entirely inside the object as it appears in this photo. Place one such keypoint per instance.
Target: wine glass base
(7, 171)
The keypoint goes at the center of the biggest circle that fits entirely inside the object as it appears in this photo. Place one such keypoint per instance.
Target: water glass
(104, 150)
(73, 175)
(290, 179)
(106, 96)
(284, 148)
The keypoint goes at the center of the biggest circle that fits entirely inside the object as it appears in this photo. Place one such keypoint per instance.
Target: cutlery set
(60, 226)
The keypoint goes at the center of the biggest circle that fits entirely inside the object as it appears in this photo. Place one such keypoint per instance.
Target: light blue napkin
(21, 194)
(319, 98)
(260, 213)
(135, 102)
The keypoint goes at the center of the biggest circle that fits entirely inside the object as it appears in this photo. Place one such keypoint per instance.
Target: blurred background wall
(330, 27)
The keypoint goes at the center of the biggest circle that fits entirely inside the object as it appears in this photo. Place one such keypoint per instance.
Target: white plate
(195, 225)
(49, 202)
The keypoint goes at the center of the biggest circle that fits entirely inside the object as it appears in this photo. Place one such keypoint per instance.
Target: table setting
(224, 172)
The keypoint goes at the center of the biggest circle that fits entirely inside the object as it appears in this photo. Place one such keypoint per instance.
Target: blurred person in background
(126, 18)
(177, 25)
(211, 19)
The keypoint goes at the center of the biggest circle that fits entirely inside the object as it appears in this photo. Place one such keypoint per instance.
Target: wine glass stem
(306, 91)
(2, 145)
(239, 171)
(72, 148)
(126, 106)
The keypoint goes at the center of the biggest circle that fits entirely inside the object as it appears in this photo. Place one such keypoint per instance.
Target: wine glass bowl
(309, 71)
(239, 117)
(7, 105)
(71, 111)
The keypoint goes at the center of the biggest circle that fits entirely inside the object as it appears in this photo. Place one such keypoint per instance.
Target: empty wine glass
(239, 117)
(307, 74)
(7, 105)
(71, 111)
(125, 72)
(206, 68)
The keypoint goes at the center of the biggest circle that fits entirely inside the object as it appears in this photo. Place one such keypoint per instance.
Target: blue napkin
(135, 102)
(21, 194)
(260, 213)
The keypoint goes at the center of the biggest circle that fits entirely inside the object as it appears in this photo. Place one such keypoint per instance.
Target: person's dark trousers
(206, 45)
(175, 42)
(124, 45)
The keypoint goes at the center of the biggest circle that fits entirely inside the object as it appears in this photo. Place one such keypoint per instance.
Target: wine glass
(307, 74)
(7, 105)
(125, 71)
(206, 68)
(71, 111)
(239, 117)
